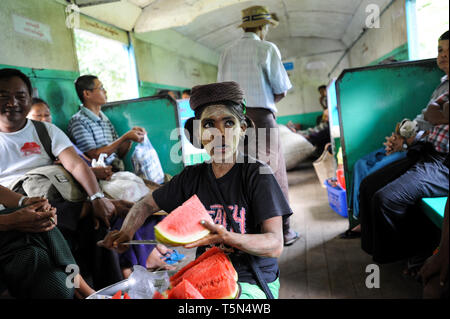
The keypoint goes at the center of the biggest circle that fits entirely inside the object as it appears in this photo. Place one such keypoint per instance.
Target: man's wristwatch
(96, 195)
(404, 146)
(21, 200)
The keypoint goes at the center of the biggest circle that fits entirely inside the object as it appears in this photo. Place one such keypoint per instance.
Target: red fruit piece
(117, 295)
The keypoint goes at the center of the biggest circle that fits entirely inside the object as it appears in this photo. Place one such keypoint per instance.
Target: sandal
(291, 238)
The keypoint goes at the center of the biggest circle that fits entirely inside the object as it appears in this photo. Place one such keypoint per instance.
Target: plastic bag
(143, 283)
(126, 186)
(100, 162)
(146, 162)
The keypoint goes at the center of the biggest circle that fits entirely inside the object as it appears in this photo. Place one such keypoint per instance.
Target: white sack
(296, 148)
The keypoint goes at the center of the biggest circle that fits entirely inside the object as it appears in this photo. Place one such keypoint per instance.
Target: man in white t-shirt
(22, 150)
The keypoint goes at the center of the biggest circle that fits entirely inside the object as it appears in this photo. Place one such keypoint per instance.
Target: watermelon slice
(185, 290)
(212, 274)
(182, 226)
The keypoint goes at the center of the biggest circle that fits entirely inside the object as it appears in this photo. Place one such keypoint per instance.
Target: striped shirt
(89, 131)
(256, 65)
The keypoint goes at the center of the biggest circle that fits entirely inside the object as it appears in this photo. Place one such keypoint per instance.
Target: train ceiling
(213, 23)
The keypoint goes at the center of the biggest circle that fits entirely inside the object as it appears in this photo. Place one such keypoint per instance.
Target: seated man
(33, 252)
(319, 135)
(22, 150)
(391, 153)
(92, 131)
(391, 227)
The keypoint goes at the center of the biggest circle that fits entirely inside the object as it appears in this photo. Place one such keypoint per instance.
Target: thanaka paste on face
(211, 137)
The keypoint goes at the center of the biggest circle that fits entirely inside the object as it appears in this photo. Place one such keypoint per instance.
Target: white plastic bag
(100, 162)
(126, 186)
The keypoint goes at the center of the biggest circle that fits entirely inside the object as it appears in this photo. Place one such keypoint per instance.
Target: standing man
(256, 65)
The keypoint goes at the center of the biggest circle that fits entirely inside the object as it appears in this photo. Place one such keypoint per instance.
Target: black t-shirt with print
(251, 196)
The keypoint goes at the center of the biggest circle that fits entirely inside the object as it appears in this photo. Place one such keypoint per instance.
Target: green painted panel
(57, 89)
(159, 118)
(371, 100)
(306, 119)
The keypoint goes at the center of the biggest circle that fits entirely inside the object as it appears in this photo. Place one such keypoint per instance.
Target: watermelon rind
(182, 225)
(171, 240)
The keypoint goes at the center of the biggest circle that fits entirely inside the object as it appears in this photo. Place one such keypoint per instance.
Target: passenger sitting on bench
(33, 253)
(92, 131)
(22, 150)
(392, 151)
(391, 227)
(319, 135)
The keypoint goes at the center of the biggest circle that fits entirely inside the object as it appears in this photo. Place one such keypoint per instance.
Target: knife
(140, 242)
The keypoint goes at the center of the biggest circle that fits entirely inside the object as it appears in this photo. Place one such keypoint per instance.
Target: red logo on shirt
(30, 148)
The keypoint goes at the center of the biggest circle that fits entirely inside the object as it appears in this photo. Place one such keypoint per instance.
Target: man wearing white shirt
(256, 65)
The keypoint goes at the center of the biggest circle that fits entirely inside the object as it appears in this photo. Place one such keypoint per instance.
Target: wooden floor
(320, 264)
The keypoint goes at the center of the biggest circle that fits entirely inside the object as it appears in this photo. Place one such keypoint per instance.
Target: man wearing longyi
(230, 180)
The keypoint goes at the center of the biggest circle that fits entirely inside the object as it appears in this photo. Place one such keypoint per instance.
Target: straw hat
(256, 16)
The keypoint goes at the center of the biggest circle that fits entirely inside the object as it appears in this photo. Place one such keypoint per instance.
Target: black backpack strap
(44, 138)
(255, 268)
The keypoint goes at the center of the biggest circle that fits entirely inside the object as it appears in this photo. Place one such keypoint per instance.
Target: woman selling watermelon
(240, 193)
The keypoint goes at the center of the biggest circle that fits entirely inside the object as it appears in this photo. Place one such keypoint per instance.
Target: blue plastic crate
(337, 199)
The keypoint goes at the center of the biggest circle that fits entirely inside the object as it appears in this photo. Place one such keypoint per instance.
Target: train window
(428, 19)
(110, 60)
